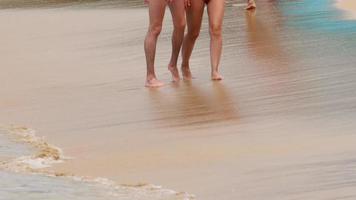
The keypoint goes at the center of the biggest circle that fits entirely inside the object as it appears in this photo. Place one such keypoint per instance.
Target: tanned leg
(178, 16)
(194, 15)
(216, 15)
(156, 14)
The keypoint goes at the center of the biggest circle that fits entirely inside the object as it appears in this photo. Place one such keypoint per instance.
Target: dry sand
(278, 127)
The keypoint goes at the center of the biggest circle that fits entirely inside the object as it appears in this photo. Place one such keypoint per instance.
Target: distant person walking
(194, 15)
(156, 14)
(251, 4)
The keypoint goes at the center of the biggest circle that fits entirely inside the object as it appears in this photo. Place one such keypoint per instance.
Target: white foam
(47, 155)
(38, 163)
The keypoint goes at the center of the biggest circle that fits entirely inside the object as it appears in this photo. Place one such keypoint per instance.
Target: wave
(45, 155)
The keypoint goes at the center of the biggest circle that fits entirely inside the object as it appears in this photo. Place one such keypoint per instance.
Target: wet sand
(349, 6)
(280, 126)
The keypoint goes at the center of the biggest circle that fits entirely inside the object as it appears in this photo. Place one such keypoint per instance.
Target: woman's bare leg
(156, 14)
(194, 15)
(178, 16)
(216, 14)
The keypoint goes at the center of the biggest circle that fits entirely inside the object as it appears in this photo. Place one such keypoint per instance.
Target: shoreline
(76, 77)
(44, 157)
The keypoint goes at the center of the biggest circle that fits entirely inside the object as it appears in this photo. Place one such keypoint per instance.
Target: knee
(180, 26)
(215, 30)
(194, 34)
(155, 30)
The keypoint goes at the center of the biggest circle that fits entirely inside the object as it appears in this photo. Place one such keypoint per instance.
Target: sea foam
(26, 173)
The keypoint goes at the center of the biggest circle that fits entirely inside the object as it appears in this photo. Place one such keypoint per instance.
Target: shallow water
(10, 149)
(21, 177)
(280, 126)
(18, 186)
(34, 187)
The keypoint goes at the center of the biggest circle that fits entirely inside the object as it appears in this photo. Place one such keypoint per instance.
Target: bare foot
(251, 5)
(175, 73)
(215, 76)
(151, 83)
(187, 74)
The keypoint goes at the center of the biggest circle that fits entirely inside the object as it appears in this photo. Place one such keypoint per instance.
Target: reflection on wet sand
(279, 127)
(188, 104)
(273, 66)
(263, 42)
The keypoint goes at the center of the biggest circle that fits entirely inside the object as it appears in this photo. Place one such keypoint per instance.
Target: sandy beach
(280, 126)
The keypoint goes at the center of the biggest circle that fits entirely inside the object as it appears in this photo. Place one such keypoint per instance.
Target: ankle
(172, 65)
(151, 77)
(185, 66)
(215, 72)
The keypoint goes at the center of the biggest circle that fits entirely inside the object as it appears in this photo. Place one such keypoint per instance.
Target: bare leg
(194, 19)
(156, 14)
(178, 16)
(216, 14)
(250, 5)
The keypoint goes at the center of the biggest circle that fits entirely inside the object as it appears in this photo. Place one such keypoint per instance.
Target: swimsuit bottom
(206, 1)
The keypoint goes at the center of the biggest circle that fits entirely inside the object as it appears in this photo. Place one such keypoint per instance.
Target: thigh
(194, 14)
(178, 11)
(156, 11)
(216, 9)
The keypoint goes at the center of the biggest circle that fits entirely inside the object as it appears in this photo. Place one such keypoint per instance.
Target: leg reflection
(189, 105)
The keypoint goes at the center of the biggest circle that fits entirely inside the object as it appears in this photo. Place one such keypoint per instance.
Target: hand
(187, 3)
(146, 1)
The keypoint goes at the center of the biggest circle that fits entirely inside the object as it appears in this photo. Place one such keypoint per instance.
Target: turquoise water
(317, 16)
(318, 81)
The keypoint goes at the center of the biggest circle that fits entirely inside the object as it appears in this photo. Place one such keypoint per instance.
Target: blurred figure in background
(251, 4)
